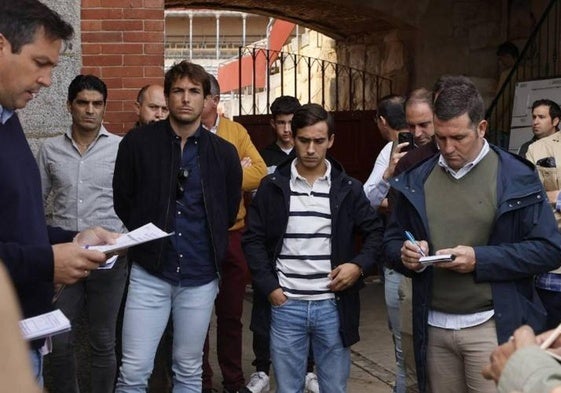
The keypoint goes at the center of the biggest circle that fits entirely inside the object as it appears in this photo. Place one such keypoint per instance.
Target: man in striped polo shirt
(300, 248)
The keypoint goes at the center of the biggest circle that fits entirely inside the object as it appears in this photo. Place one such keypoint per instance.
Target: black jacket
(274, 156)
(145, 181)
(350, 212)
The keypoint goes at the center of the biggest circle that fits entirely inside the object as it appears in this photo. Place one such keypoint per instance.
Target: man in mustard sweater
(229, 302)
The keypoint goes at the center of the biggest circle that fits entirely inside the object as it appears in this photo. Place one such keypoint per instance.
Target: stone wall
(445, 37)
(46, 115)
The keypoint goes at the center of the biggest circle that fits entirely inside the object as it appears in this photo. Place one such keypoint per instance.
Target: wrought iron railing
(538, 60)
(266, 74)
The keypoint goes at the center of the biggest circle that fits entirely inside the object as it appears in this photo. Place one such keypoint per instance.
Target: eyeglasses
(182, 175)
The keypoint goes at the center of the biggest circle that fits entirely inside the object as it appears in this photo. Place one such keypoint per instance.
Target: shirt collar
(295, 176)
(214, 128)
(5, 114)
(467, 167)
(102, 132)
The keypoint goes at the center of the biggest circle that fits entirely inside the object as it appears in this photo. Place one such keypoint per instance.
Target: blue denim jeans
(294, 326)
(149, 303)
(392, 280)
(37, 366)
(100, 296)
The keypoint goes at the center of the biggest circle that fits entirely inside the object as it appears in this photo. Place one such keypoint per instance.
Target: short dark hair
(284, 105)
(457, 99)
(22, 19)
(310, 114)
(214, 86)
(554, 110)
(448, 80)
(508, 48)
(391, 108)
(190, 70)
(86, 82)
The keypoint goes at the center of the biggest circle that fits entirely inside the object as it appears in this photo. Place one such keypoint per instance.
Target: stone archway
(371, 35)
(334, 18)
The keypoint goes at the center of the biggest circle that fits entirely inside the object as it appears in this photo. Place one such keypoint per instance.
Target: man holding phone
(406, 137)
(486, 207)
(390, 119)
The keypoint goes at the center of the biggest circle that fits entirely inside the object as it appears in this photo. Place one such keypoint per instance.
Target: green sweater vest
(461, 212)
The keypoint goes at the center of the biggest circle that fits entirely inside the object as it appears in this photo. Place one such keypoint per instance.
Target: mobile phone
(406, 137)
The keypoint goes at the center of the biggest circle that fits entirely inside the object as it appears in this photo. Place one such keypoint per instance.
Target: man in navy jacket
(488, 208)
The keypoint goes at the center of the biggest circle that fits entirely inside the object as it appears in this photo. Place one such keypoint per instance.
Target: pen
(412, 240)
(552, 337)
(58, 292)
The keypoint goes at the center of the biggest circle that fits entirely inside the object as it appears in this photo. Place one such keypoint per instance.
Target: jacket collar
(337, 170)
(524, 182)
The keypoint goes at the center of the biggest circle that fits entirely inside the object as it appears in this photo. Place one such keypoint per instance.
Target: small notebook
(429, 260)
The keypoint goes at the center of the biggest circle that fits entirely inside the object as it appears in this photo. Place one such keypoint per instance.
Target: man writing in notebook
(487, 207)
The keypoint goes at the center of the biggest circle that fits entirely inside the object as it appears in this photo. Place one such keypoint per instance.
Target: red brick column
(123, 44)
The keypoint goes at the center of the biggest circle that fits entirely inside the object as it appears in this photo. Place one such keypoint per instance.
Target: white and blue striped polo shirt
(304, 262)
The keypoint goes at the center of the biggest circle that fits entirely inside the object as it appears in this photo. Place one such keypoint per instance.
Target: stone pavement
(372, 368)
(373, 364)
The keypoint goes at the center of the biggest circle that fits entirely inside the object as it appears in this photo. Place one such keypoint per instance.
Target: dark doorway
(357, 139)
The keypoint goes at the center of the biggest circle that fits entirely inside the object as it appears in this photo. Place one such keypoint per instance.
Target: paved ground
(372, 358)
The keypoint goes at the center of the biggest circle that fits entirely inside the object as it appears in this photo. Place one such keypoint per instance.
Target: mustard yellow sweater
(238, 136)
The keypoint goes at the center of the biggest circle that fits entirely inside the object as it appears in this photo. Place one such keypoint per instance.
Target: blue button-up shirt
(5, 114)
(190, 261)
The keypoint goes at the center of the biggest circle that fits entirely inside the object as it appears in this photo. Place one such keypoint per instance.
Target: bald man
(151, 105)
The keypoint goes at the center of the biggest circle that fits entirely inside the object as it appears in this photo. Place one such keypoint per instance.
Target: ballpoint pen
(412, 240)
(58, 292)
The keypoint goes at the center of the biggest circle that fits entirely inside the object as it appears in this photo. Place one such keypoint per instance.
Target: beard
(185, 119)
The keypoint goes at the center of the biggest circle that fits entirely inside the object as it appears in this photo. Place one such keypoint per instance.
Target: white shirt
(304, 262)
(467, 167)
(376, 188)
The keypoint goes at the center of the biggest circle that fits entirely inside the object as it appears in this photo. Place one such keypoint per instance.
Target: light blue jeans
(37, 366)
(392, 279)
(294, 326)
(149, 303)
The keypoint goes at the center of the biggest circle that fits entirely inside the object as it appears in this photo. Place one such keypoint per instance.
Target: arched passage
(337, 19)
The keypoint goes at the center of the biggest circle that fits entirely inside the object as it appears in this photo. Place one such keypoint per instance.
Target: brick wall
(123, 44)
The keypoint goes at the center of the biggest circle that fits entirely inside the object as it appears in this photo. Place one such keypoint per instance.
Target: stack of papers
(44, 325)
